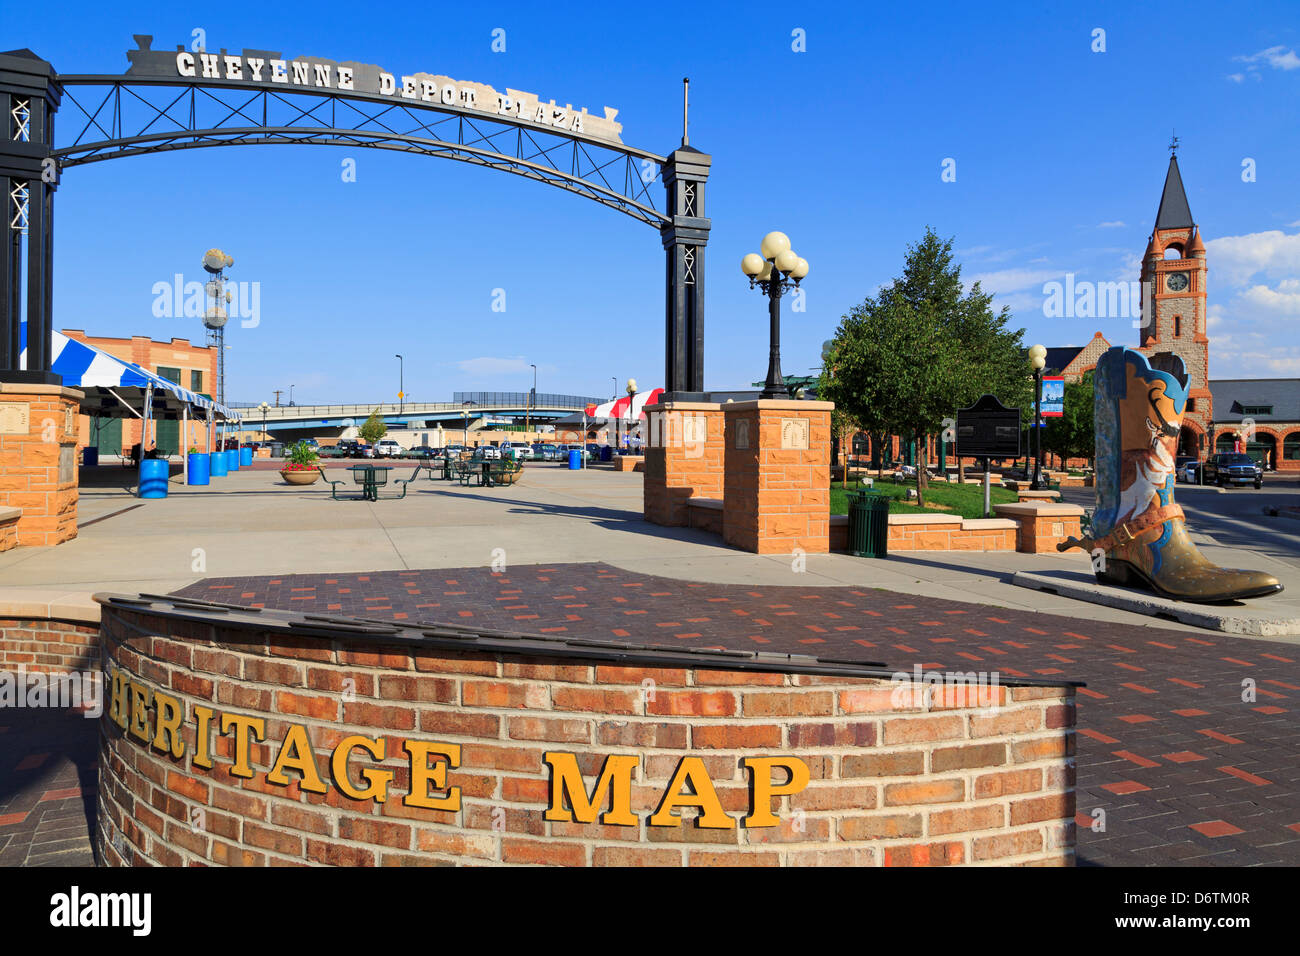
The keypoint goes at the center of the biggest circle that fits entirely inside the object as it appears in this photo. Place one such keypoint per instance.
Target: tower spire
(1174, 212)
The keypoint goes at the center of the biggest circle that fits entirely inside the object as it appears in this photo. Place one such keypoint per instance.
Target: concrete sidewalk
(250, 523)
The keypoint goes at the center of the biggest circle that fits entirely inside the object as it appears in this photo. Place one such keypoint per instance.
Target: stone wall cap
(10, 514)
(684, 407)
(713, 504)
(779, 405)
(49, 604)
(988, 524)
(1031, 508)
(924, 518)
(21, 388)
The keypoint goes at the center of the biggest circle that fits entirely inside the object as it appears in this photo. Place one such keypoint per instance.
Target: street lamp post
(532, 397)
(631, 401)
(1038, 360)
(401, 384)
(773, 272)
(464, 427)
(264, 407)
(291, 388)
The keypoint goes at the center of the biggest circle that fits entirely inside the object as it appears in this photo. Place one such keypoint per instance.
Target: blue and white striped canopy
(84, 366)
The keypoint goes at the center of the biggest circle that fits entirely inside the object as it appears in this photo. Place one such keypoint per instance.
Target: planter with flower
(300, 467)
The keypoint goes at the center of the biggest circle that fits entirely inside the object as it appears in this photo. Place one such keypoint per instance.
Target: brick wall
(47, 647)
(30, 463)
(683, 458)
(9, 527)
(776, 495)
(962, 777)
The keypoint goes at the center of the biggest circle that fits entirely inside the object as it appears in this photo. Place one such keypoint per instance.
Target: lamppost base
(781, 394)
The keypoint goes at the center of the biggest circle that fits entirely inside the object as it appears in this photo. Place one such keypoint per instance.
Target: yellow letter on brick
(712, 817)
(566, 780)
(296, 752)
(762, 788)
(422, 775)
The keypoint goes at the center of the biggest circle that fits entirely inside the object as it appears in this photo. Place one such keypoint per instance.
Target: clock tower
(1173, 306)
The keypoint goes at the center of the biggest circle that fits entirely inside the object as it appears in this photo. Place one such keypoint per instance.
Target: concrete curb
(1228, 620)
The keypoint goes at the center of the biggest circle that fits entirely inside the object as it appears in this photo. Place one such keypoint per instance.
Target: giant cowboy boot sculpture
(1139, 536)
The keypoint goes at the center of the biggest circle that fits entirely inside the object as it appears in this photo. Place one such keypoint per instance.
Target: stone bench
(705, 514)
(629, 463)
(1042, 524)
(9, 527)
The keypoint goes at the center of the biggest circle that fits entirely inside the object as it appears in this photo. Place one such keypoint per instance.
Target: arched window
(1173, 251)
(1291, 447)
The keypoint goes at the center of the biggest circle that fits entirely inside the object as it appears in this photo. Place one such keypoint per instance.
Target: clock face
(1177, 281)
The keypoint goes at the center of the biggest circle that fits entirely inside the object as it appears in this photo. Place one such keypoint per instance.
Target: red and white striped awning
(626, 408)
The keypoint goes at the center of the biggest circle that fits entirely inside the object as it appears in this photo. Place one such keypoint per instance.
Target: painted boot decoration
(1139, 536)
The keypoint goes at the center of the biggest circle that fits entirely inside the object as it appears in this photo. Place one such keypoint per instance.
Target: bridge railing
(251, 410)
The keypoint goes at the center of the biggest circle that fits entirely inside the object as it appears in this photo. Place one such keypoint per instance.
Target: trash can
(869, 524)
(606, 453)
(575, 459)
(89, 456)
(200, 466)
(218, 466)
(245, 456)
(153, 478)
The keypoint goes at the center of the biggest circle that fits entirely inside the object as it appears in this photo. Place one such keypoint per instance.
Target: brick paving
(1179, 761)
(47, 787)
(1174, 766)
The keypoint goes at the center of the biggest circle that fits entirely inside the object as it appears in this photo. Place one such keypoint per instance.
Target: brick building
(179, 361)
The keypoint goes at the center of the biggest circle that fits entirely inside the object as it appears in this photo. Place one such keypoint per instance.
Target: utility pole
(277, 396)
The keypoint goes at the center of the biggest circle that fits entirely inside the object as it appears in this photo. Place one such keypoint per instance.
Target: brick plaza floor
(1183, 770)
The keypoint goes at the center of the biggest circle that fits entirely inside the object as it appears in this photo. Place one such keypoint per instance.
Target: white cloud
(1281, 301)
(1278, 57)
(493, 366)
(1236, 259)
(1011, 280)
(1115, 224)
(1236, 77)
(1256, 362)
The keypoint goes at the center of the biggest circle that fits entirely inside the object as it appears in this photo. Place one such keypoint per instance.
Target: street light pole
(774, 271)
(401, 384)
(1038, 360)
(291, 388)
(531, 398)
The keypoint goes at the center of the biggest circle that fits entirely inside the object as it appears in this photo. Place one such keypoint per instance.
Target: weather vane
(1173, 144)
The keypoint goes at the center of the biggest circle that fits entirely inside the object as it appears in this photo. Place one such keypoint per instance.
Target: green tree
(906, 359)
(373, 428)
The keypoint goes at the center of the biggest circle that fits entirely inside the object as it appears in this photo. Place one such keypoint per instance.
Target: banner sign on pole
(1053, 405)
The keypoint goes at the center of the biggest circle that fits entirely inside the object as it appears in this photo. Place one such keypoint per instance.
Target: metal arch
(124, 122)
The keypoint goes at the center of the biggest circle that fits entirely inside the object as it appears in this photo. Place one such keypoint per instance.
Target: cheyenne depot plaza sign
(304, 74)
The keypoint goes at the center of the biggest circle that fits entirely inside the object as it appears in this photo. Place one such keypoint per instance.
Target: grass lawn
(966, 500)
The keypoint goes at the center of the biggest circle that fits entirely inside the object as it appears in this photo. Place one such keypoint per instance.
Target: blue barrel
(199, 468)
(245, 456)
(219, 462)
(153, 478)
(89, 456)
(575, 459)
(232, 459)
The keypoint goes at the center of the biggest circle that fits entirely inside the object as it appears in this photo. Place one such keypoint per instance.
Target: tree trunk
(921, 474)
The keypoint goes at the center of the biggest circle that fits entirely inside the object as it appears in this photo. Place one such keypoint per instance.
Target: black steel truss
(104, 117)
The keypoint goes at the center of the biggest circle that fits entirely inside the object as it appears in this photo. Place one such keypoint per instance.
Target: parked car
(363, 450)
(1187, 468)
(487, 452)
(331, 451)
(1232, 468)
(388, 448)
(452, 451)
(519, 450)
(574, 446)
(423, 452)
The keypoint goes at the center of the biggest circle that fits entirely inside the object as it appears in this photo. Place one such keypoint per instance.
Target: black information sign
(988, 429)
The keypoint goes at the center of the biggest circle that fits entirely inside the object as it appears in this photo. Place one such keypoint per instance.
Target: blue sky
(1060, 155)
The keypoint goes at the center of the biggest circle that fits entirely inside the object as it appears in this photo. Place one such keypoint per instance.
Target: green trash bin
(869, 524)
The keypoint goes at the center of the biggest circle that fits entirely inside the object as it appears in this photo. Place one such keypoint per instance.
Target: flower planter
(300, 477)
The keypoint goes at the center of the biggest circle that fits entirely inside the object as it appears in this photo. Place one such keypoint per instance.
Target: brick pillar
(683, 459)
(777, 495)
(38, 460)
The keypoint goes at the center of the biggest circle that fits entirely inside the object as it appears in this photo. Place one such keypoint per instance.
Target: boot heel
(1116, 573)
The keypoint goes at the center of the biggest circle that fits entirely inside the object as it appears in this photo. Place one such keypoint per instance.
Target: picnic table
(370, 478)
(488, 472)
